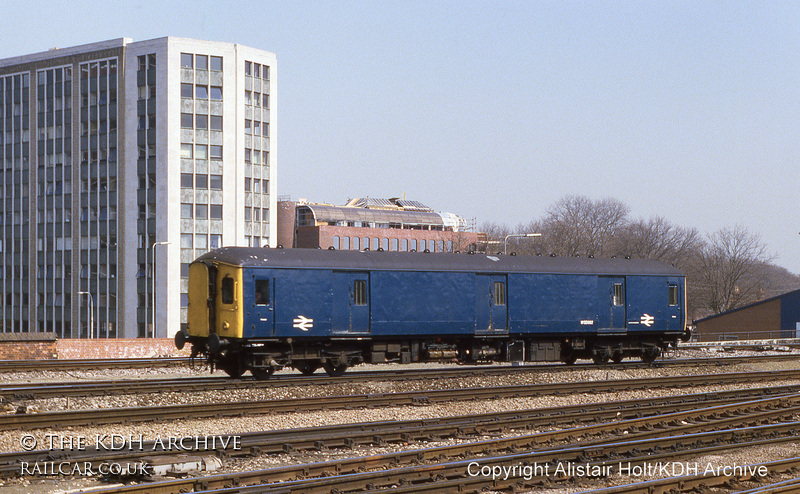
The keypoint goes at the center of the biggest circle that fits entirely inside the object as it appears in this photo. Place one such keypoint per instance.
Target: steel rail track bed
(645, 441)
(89, 364)
(55, 365)
(381, 433)
(18, 391)
(77, 418)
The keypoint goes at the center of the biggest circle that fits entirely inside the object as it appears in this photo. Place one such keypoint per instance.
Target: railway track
(89, 364)
(415, 431)
(704, 482)
(17, 391)
(141, 363)
(630, 442)
(78, 418)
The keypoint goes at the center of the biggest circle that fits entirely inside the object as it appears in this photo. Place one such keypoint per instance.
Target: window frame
(499, 293)
(262, 287)
(673, 295)
(360, 295)
(227, 290)
(187, 61)
(618, 294)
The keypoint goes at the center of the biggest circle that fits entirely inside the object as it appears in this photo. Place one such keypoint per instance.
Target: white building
(117, 153)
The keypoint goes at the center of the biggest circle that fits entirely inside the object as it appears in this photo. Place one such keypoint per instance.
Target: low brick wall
(39, 346)
(119, 348)
(24, 346)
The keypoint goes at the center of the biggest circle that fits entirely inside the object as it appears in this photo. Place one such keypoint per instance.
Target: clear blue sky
(494, 110)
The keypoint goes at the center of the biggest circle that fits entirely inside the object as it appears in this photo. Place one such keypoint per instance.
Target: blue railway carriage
(263, 309)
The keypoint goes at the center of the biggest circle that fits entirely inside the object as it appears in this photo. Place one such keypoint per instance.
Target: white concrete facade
(193, 125)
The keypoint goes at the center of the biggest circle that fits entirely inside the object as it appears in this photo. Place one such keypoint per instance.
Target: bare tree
(577, 225)
(730, 269)
(656, 238)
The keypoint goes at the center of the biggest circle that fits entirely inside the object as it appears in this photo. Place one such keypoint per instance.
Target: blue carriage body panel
(422, 303)
(552, 303)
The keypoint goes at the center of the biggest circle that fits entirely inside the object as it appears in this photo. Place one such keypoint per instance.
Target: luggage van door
(492, 308)
(350, 302)
(612, 306)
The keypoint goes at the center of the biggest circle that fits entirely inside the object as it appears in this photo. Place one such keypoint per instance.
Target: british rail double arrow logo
(303, 323)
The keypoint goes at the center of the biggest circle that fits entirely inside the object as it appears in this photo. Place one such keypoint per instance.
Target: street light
(520, 235)
(153, 291)
(91, 313)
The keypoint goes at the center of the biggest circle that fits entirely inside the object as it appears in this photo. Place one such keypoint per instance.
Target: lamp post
(91, 313)
(519, 235)
(153, 291)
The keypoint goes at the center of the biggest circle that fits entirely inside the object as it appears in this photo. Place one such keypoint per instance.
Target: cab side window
(226, 291)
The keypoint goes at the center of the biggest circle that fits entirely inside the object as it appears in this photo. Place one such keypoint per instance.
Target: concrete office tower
(120, 162)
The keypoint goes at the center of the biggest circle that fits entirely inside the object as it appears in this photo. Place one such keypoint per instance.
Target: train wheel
(600, 358)
(262, 373)
(570, 358)
(334, 370)
(617, 357)
(233, 368)
(650, 354)
(307, 368)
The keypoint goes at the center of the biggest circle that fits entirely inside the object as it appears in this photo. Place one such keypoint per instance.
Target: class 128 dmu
(258, 310)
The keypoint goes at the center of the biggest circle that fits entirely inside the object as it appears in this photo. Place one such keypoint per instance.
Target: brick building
(777, 317)
(368, 223)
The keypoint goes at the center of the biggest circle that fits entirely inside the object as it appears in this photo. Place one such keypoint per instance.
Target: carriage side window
(227, 290)
(499, 293)
(262, 292)
(360, 292)
(619, 294)
(673, 294)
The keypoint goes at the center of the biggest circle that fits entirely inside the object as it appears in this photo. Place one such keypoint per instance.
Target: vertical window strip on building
(98, 176)
(146, 227)
(53, 233)
(15, 154)
(201, 157)
(256, 124)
